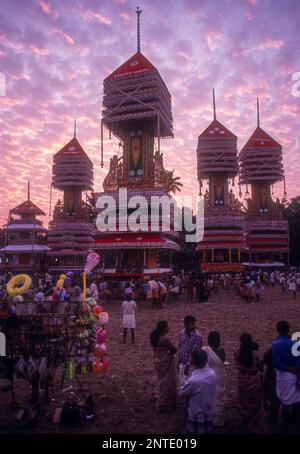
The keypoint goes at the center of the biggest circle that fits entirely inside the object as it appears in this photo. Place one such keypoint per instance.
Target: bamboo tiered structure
(224, 237)
(70, 232)
(261, 166)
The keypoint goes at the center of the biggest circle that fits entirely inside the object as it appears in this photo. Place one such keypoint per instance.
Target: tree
(172, 183)
(292, 214)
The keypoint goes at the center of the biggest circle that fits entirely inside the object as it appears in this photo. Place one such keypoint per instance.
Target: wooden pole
(102, 163)
(84, 286)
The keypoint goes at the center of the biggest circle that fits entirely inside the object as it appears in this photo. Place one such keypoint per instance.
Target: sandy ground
(123, 396)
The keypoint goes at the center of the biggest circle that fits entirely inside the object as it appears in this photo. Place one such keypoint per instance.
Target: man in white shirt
(200, 389)
(129, 310)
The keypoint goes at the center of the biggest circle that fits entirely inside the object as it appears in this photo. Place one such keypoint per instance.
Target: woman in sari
(164, 363)
(216, 358)
(251, 406)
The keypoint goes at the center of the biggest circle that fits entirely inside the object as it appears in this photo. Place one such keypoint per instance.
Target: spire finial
(214, 104)
(28, 190)
(257, 103)
(138, 12)
(75, 127)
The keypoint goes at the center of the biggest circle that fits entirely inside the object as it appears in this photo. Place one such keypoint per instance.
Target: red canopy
(136, 240)
(136, 64)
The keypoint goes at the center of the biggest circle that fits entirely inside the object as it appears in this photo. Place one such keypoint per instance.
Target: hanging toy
(102, 335)
(100, 350)
(103, 318)
(92, 260)
(100, 367)
(59, 286)
(70, 370)
(14, 286)
(91, 302)
(97, 309)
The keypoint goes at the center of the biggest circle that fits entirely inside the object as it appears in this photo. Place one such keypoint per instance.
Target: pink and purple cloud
(55, 55)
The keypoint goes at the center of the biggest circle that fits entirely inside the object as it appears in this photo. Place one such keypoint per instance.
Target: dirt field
(123, 396)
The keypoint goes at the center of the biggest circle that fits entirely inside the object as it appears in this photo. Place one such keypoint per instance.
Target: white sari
(220, 399)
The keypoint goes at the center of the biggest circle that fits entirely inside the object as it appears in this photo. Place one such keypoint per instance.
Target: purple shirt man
(189, 341)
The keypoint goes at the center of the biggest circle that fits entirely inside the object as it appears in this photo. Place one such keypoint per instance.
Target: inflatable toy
(103, 318)
(18, 285)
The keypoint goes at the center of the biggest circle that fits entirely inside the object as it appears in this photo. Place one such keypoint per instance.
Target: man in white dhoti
(216, 358)
(287, 367)
(129, 310)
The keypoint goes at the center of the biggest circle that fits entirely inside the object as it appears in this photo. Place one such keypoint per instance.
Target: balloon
(92, 260)
(99, 368)
(105, 364)
(97, 309)
(102, 336)
(61, 281)
(103, 318)
(100, 350)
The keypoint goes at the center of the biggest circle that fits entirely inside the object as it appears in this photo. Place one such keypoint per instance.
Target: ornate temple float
(261, 167)
(70, 235)
(224, 236)
(137, 111)
(236, 236)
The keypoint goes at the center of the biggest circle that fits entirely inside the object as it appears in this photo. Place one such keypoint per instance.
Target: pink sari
(252, 415)
(165, 367)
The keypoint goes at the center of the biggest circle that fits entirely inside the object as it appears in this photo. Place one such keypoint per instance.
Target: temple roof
(27, 207)
(72, 148)
(136, 64)
(260, 139)
(216, 130)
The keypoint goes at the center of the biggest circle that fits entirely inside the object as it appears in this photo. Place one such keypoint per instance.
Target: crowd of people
(194, 371)
(264, 383)
(196, 286)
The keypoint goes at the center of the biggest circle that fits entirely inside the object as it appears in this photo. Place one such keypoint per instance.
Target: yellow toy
(13, 286)
(61, 281)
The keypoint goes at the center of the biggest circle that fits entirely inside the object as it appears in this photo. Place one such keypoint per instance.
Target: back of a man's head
(199, 358)
(188, 319)
(283, 328)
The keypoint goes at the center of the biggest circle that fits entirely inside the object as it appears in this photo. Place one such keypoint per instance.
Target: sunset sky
(55, 54)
